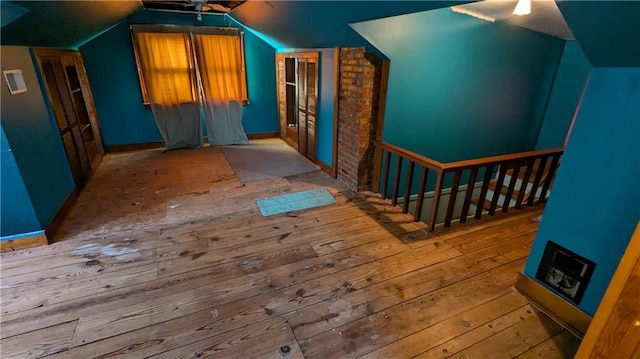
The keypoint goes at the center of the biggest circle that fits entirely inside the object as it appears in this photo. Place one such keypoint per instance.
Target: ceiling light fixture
(523, 8)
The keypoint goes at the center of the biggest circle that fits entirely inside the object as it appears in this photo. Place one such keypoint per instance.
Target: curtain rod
(170, 28)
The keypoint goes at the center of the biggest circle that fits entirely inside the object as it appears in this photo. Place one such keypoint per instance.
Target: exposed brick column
(358, 111)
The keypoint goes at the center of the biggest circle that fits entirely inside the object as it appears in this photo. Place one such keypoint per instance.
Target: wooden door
(297, 90)
(302, 107)
(281, 94)
(614, 331)
(307, 106)
(67, 88)
(312, 108)
(80, 108)
(68, 125)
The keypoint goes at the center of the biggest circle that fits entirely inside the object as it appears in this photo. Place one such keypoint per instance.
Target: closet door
(312, 111)
(307, 105)
(297, 89)
(68, 124)
(282, 94)
(287, 99)
(68, 90)
(80, 108)
(302, 107)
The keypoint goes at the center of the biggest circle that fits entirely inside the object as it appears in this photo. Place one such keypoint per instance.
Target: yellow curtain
(220, 65)
(167, 65)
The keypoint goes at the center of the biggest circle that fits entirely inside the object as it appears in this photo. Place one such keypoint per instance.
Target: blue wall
(112, 72)
(17, 214)
(326, 91)
(36, 146)
(463, 88)
(261, 115)
(593, 208)
(567, 88)
(111, 68)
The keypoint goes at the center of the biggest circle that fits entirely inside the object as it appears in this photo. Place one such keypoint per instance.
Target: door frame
(86, 88)
(334, 68)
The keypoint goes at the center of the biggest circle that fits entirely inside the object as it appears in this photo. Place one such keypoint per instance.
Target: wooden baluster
(423, 184)
(467, 196)
(407, 190)
(547, 183)
(386, 174)
(483, 192)
(377, 166)
(512, 186)
(498, 190)
(452, 198)
(525, 182)
(396, 182)
(436, 202)
(536, 181)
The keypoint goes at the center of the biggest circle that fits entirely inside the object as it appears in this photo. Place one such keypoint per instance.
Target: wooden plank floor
(166, 256)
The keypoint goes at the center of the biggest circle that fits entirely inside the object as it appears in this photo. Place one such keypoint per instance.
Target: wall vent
(15, 81)
(565, 272)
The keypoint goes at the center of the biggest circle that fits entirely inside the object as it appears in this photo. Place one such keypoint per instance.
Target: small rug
(268, 160)
(295, 202)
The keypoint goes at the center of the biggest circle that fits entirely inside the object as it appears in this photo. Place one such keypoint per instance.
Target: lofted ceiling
(317, 24)
(545, 17)
(607, 31)
(64, 23)
(10, 12)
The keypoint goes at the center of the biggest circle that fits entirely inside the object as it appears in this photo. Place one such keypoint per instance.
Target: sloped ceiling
(608, 31)
(545, 16)
(318, 24)
(65, 24)
(10, 12)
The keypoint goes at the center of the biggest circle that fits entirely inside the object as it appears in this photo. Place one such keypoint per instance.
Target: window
(176, 64)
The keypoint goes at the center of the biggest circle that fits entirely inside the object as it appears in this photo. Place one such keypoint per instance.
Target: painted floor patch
(295, 202)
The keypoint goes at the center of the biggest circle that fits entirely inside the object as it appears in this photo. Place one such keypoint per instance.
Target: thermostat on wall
(15, 81)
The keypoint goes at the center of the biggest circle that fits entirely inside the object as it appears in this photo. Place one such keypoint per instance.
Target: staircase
(464, 189)
(523, 182)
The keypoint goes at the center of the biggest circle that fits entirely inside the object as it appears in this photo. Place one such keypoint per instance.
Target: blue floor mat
(295, 202)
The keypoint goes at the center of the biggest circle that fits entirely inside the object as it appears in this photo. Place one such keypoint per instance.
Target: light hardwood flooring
(166, 256)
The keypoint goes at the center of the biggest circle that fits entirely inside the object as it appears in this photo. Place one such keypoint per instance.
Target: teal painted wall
(326, 101)
(33, 138)
(567, 88)
(261, 115)
(111, 68)
(462, 88)
(593, 208)
(16, 213)
(112, 72)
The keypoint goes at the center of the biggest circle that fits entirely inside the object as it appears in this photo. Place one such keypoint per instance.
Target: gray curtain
(179, 125)
(224, 123)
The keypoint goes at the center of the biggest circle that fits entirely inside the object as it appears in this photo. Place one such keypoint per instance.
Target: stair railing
(541, 164)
